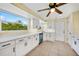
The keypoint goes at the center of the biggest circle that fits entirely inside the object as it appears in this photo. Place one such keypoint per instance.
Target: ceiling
(67, 9)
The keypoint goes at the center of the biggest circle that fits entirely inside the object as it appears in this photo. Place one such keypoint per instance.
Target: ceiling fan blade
(48, 14)
(58, 11)
(60, 4)
(43, 9)
(54, 4)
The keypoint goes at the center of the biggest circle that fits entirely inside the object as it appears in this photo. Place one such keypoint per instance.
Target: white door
(60, 31)
(70, 30)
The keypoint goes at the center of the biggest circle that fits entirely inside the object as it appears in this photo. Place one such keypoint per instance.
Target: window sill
(13, 32)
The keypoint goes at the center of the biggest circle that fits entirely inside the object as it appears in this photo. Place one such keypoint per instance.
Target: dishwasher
(40, 38)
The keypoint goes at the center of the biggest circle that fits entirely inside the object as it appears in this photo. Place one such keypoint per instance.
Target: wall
(76, 23)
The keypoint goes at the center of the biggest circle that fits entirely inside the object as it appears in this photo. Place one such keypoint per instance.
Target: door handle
(21, 40)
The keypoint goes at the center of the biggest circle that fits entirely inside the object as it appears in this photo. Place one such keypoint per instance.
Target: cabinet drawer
(6, 44)
(8, 51)
(19, 40)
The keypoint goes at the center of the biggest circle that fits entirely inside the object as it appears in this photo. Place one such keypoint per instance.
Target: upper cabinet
(35, 23)
(38, 24)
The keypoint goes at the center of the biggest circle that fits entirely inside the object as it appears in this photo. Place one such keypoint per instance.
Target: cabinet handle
(25, 44)
(20, 40)
(6, 45)
(13, 49)
(36, 38)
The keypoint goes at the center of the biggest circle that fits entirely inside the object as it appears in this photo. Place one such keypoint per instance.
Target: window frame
(1, 10)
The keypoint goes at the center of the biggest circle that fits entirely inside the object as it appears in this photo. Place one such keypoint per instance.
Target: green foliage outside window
(13, 26)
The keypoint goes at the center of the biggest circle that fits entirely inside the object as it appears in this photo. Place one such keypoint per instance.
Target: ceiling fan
(53, 8)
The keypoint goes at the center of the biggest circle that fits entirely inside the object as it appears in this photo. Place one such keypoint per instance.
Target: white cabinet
(48, 36)
(26, 44)
(36, 39)
(44, 36)
(7, 49)
(32, 42)
(20, 47)
(51, 36)
(75, 45)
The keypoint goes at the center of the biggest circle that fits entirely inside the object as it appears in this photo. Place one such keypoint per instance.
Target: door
(60, 30)
(70, 30)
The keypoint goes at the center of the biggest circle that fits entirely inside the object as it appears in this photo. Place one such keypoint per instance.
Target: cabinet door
(20, 47)
(35, 39)
(51, 37)
(44, 36)
(7, 49)
(47, 36)
(32, 42)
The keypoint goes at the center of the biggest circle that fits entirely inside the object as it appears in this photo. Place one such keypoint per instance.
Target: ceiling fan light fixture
(52, 10)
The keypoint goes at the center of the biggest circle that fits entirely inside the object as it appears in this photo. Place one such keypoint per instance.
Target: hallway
(56, 48)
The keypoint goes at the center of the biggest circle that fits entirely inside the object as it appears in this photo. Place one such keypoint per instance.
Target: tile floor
(56, 48)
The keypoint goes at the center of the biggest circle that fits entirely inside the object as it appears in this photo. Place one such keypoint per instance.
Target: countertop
(9, 37)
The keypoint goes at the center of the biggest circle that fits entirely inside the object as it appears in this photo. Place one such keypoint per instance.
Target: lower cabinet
(48, 36)
(20, 46)
(74, 43)
(26, 44)
(32, 42)
(7, 49)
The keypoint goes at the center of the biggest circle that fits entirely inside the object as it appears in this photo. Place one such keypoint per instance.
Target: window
(11, 21)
